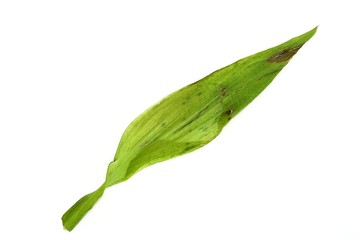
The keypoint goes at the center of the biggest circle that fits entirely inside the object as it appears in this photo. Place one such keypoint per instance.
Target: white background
(74, 74)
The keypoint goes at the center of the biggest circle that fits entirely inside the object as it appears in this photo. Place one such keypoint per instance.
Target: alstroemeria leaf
(190, 117)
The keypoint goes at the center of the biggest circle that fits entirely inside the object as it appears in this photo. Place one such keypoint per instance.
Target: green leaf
(189, 118)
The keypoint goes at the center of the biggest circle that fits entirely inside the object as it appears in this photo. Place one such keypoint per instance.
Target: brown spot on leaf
(284, 55)
(223, 91)
(229, 112)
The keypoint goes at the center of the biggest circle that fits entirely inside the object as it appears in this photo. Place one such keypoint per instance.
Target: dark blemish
(223, 91)
(229, 112)
(199, 94)
(163, 124)
(284, 55)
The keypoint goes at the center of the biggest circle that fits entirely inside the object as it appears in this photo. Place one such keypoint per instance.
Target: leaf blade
(211, 101)
(190, 117)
